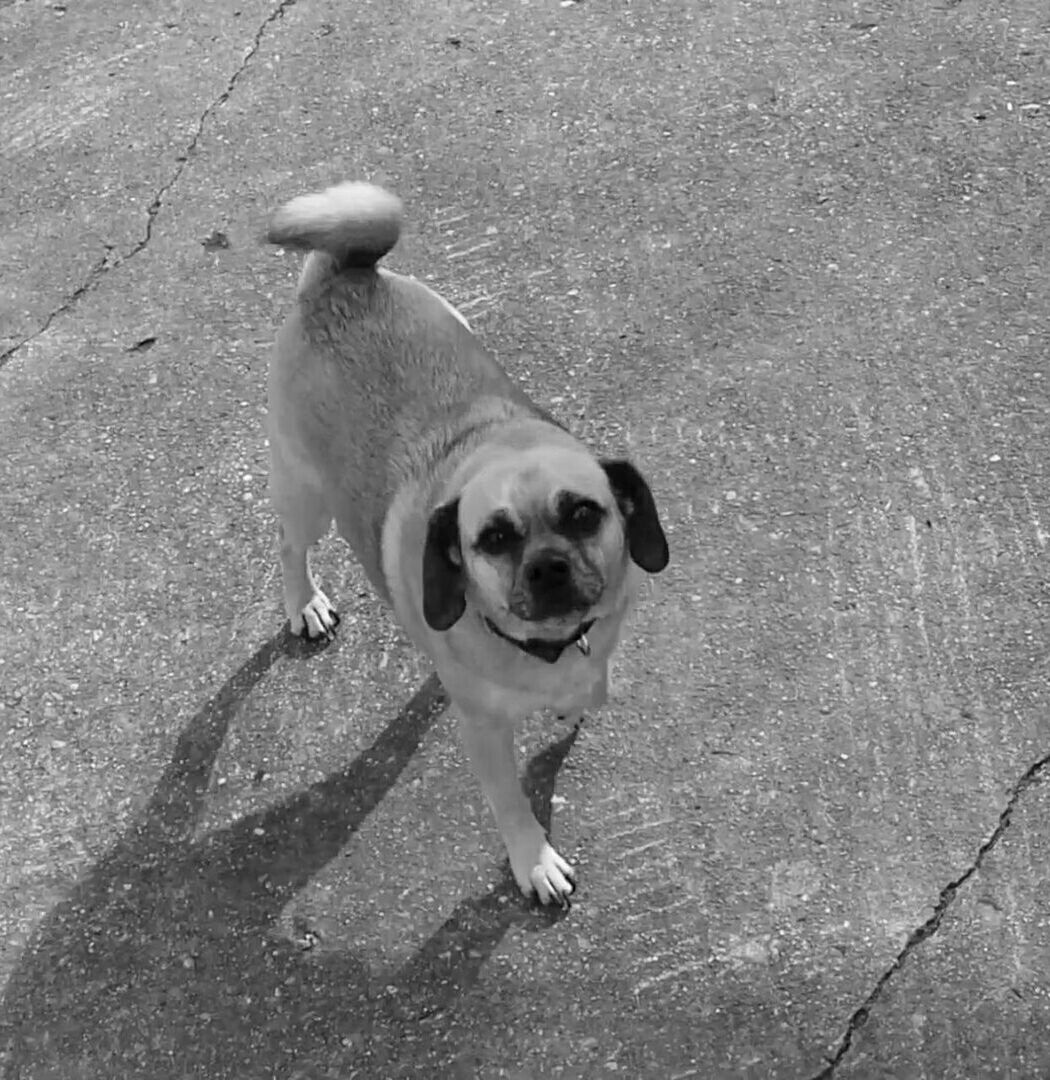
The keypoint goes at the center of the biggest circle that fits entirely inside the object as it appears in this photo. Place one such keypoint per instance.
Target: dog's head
(540, 536)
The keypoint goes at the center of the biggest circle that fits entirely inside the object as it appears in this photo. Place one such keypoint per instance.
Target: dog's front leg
(537, 867)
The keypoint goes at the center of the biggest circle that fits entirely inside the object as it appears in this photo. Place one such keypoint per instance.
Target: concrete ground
(792, 257)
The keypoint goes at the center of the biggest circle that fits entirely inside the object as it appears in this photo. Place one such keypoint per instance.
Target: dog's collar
(545, 649)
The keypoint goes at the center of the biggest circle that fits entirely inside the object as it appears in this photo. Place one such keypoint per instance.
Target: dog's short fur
(509, 553)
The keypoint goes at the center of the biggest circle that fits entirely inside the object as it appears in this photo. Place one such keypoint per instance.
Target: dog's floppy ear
(645, 537)
(444, 584)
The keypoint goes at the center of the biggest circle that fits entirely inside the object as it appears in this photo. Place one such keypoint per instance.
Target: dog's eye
(586, 517)
(496, 539)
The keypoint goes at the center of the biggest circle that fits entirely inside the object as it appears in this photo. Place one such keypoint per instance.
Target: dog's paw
(573, 718)
(550, 878)
(317, 619)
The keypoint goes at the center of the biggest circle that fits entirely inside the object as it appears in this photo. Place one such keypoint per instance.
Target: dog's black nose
(548, 572)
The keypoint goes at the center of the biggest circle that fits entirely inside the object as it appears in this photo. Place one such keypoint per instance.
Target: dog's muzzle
(552, 588)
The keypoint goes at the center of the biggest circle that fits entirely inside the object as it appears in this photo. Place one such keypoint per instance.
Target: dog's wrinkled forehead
(531, 486)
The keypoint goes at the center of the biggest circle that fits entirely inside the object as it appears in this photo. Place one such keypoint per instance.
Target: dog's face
(539, 538)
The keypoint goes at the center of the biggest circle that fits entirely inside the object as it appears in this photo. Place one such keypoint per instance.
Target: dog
(509, 553)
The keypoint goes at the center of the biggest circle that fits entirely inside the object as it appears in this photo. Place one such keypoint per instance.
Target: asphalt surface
(792, 257)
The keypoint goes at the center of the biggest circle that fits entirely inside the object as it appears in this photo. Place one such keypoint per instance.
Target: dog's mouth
(547, 649)
(553, 611)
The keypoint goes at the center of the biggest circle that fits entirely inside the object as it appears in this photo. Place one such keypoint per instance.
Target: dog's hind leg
(303, 518)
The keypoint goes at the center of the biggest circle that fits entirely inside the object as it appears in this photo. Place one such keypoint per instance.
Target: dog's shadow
(164, 962)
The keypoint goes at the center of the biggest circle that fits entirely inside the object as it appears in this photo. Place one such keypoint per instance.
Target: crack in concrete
(109, 261)
(933, 923)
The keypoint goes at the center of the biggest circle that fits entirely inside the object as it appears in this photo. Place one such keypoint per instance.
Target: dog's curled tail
(356, 223)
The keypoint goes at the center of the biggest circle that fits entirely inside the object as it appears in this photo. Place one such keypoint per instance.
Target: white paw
(317, 618)
(551, 878)
(573, 718)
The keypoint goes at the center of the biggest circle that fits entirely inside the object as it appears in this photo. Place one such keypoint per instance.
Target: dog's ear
(444, 582)
(645, 537)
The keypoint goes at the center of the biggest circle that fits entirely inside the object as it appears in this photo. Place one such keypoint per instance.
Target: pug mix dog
(508, 551)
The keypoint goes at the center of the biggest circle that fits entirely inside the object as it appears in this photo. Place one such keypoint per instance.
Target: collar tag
(583, 645)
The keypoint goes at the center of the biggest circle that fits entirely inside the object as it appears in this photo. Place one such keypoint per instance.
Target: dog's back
(371, 369)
